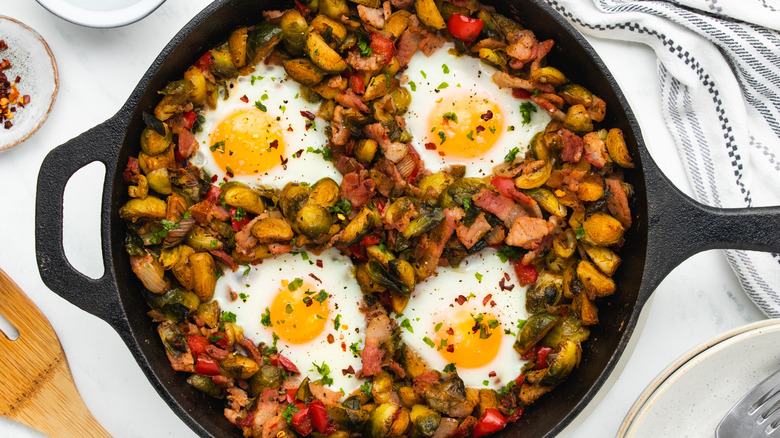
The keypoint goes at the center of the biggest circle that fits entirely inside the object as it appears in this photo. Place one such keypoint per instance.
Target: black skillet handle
(681, 227)
(98, 297)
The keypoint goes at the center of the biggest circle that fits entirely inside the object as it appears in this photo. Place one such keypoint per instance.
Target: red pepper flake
(298, 153)
(487, 116)
(331, 339)
(430, 146)
(461, 299)
(349, 370)
(317, 279)
(319, 263)
(480, 128)
(492, 303)
(290, 129)
(344, 348)
(441, 154)
(486, 300)
(503, 286)
(283, 161)
(214, 178)
(244, 99)
(492, 374)
(451, 348)
(450, 331)
(308, 114)
(3, 45)
(274, 144)
(10, 97)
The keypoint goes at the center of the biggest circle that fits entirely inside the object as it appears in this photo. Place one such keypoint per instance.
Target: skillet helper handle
(686, 227)
(96, 296)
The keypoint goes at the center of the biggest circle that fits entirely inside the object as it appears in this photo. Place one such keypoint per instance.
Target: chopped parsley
(327, 154)
(450, 368)
(466, 204)
(228, 316)
(407, 325)
(295, 284)
(442, 136)
(366, 388)
(220, 146)
(288, 308)
(259, 105)
(438, 326)
(337, 322)
(478, 276)
(508, 388)
(423, 74)
(355, 349)
(321, 296)
(243, 296)
(240, 214)
(470, 135)
(452, 116)
(289, 411)
(511, 155)
(485, 382)
(442, 86)
(364, 46)
(520, 324)
(255, 78)
(428, 341)
(265, 318)
(343, 206)
(526, 108)
(580, 232)
(445, 69)
(413, 86)
(507, 252)
(324, 370)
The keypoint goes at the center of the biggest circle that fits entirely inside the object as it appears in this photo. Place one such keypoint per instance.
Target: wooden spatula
(37, 388)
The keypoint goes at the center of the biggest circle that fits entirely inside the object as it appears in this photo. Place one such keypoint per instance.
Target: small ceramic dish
(101, 13)
(692, 395)
(32, 61)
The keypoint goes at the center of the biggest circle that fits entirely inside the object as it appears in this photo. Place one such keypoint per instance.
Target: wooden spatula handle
(38, 388)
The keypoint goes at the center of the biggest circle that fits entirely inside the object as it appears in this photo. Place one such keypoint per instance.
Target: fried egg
(459, 116)
(263, 133)
(468, 316)
(306, 305)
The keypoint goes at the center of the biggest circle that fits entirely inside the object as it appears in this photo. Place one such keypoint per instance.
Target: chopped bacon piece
(132, 169)
(349, 99)
(572, 146)
(407, 47)
(469, 236)
(595, 150)
(216, 352)
(527, 232)
(224, 257)
(357, 188)
(373, 16)
(617, 203)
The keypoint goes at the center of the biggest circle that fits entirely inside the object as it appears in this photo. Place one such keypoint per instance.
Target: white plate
(693, 394)
(101, 13)
(31, 60)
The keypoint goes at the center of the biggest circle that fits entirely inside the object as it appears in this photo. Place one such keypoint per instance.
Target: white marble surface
(99, 69)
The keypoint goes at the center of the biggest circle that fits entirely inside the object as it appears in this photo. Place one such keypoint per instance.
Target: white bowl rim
(100, 19)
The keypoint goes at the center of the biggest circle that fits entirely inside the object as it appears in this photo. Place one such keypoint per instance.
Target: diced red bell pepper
(213, 194)
(541, 358)
(220, 339)
(197, 345)
(207, 367)
(491, 421)
(301, 8)
(301, 420)
(291, 395)
(288, 365)
(464, 27)
(205, 61)
(238, 225)
(319, 417)
(371, 239)
(526, 274)
(190, 117)
(356, 82)
(521, 94)
(382, 46)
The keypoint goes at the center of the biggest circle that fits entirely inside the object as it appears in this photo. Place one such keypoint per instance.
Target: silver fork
(757, 414)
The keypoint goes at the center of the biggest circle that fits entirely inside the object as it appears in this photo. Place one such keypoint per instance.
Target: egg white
(464, 76)
(260, 283)
(437, 296)
(281, 95)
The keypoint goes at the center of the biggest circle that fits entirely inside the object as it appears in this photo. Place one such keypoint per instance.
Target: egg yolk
(247, 142)
(299, 312)
(468, 340)
(464, 126)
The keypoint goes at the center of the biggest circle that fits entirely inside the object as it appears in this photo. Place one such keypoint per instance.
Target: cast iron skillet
(668, 226)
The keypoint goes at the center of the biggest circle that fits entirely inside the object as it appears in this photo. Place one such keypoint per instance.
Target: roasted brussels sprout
(292, 198)
(204, 384)
(425, 419)
(239, 366)
(267, 376)
(237, 46)
(595, 283)
(149, 207)
(536, 326)
(569, 328)
(204, 275)
(382, 387)
(261, 40)
(324, 193)
(272, 230)
(323, 55)
(293, 26)
(160, 181)
(566, 357)
(380, 85)
(365, 150)
(546, 291)
(381, 420)
(223, 64)
(303, 71)
(153, 143)
(237, 194)
(618, 151)
(313, 220)
(577, 120)
(548, 75)
(606, 259)
(358, 227)
(429, 14)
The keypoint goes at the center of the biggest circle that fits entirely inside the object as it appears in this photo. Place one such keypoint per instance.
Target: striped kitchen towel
(719, 74)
